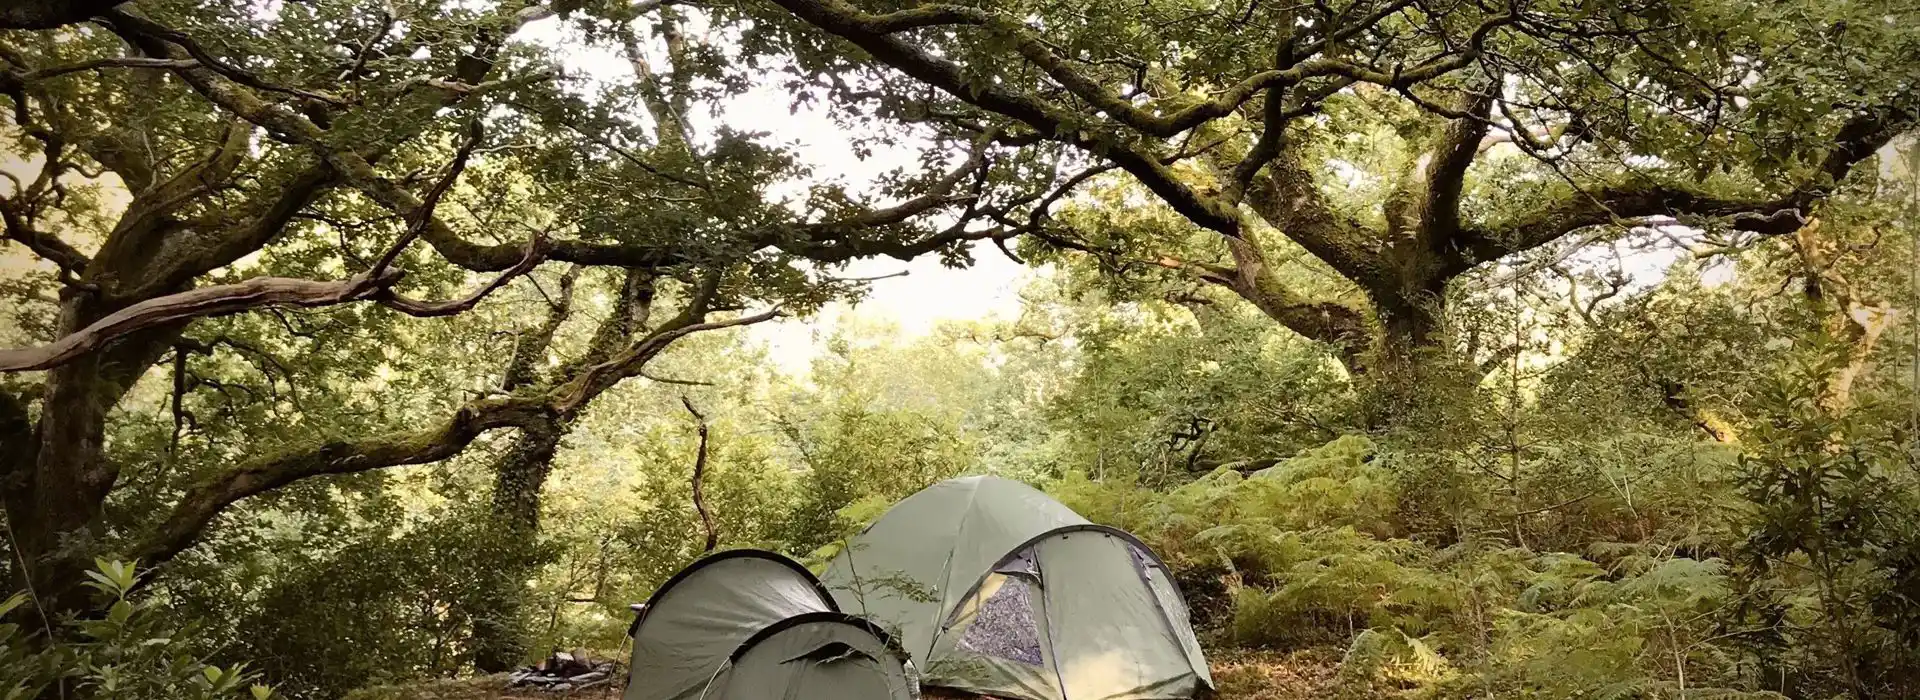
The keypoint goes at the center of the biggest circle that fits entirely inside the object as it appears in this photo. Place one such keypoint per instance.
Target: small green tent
(750, 625)
(995, 588)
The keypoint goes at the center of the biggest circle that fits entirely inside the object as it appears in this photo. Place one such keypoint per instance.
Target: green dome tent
(750, 625)
(995, 588)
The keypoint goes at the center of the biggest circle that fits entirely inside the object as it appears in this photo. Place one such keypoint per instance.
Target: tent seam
(946, 576)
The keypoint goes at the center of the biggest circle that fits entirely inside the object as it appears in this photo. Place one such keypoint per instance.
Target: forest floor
(1274, 675)
(1239, 675)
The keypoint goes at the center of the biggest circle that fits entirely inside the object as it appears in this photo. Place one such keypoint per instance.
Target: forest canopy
(1443, 348)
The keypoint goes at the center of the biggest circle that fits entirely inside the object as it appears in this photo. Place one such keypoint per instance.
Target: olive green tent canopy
(995, 588)
(752, 625)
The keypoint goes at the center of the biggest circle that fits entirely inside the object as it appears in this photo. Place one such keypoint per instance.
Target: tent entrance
(996, 641)
(1025, 597)
(815, 656)
(1079, 613)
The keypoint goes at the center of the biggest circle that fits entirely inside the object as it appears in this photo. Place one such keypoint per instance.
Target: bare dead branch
(699, 473)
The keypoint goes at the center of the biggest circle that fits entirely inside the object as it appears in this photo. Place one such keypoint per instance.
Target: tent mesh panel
(1004, 626)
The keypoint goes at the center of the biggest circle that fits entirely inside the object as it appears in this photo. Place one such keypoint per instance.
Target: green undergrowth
(1315, 553)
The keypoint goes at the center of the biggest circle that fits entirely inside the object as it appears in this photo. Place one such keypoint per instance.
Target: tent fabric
(1123, 643)
(819, 656)
(912, 567)
(996, 588)
(700, 633)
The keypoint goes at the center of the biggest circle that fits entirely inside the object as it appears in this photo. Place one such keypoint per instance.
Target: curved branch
(128, 22)
(1858, 139)
(206, 500)
(217, 300)
(865, 31)
(938, 195)
(1032, 47)
(45, 245)
(629, 362)
(427, 309)
(423, 212)
(1330, 322)
(256, 293)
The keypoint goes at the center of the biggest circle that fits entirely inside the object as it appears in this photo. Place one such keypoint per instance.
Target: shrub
(130, 652)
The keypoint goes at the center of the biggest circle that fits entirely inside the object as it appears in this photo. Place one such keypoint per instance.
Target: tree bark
(499, 632)
(57, 475)
(514, 511)
(63, 479)
(499, 642)
(48, 14)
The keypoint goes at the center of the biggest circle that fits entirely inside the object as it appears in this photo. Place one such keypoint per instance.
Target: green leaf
(120, 612)
(103, 583)
(14, 601)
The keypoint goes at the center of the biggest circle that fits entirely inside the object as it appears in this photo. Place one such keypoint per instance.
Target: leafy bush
(130, 652)
(1831, 565)
(378, 610)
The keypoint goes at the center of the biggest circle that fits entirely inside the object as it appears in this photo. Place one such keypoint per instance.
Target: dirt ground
(1272, 675)
(1240, 675)
(482, 688)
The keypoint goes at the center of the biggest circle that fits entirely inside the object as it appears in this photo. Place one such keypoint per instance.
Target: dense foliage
(1483, 349)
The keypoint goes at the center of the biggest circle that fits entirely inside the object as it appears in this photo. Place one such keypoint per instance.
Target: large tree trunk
(1411, 365)
(57, 488)
(499, 641)
(1410, 330)
(499, 630)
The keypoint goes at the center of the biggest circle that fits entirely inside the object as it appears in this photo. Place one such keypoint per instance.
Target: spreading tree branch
(202, 502)
(1286, 196)
(1446, 170)
(128, 22)
(1856, 140)
(206, 500)
(871, 34)
(256, 293)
